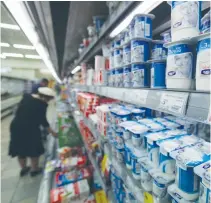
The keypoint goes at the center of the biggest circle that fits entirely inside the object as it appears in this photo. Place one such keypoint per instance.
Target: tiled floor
(13, 188)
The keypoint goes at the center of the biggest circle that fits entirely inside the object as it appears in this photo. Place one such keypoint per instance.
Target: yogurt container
(205, 23)
(143, 25)
(203, 65)
(127, 76)
(136, 155)
(121, 116)
(166, 36)
(118, 77)
(160, 183)
(131, 29)
(111, 60)
(119, 139)
(158, 74)
(203, 171)
(138, 131)
(186, 159)
(126, 54)
(120, 155)
(179, 69)
(128, 153)
(125, 125)
(159, 52)
(139, 50)
(137, 114)
(139, 75)
(185, 19)
(117, 43)
(117, 58)
(127, 36)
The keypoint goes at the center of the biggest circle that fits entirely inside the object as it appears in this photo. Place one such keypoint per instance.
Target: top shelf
(186, 104)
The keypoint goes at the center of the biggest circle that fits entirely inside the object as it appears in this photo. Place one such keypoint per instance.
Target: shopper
(42, 83)
(25, 131)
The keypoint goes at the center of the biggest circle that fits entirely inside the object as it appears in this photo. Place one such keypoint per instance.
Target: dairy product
(203, 64)
(126, 54)
(127, 76)
(128, 153)
(139, 75)
(143, 25)
(166, 36)
(185, 19)
(139, 50)
(117, 58)
(158, 74)
(158, 51)
(118, 77)
(179, 69)
(205, 23)
(137, 114)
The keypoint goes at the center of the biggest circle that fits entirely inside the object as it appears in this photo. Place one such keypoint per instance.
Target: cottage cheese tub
(186, 159)
(127, 76)
(179, 67)
(143, 25)
(185, 19)
(166, 36)
(139, 75)
(137, 114)
(203, 64)
(118, 77)
(117, 58)
(139, 50)
(158, 74)
(125, 125)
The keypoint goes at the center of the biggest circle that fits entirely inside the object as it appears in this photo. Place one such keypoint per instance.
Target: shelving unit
(186, 104)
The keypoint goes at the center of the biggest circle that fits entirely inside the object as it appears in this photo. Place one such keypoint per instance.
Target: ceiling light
(143, 8)
(76, 69)
(16, 55)
(21, 46)
(33, 57)
(2, 44)
(21, 15)
(9, 26)
(2, 56)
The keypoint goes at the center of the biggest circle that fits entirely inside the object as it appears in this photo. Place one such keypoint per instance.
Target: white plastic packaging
(185, 19)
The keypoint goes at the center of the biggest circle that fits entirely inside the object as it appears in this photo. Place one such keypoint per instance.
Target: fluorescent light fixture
(33, 57)
(143, 8)
(16, 55)
(76, 69)
(2, 56)
(2, 44)
(9, 26)
(22, 17)
(21, 46)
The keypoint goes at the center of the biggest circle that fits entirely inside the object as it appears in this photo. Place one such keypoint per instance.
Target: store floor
(13, 188)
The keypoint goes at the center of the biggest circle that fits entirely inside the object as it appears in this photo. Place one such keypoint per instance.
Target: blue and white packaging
(121, 116)
(152, 146)
(205, 23)
(185, 19)
(139, 75)
(131, 29)
(136, 155)
(160, 183)
(125, 125)
(120, 154)
(179, 68)
(137, 114)
(170, 125)
(186, 159)
(203, 65)
(143, 25)
(126, 54)
(166, 36)
(138, 131)
(127, 76)
(158, 74)
(146, 178)
(167, 163)
(128, 153)
(139, 50)
(119, 139)
(203, 171)
(159, 52)
(117, 58)
(118, 77)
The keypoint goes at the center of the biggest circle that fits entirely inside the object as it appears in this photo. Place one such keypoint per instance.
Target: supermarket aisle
(13, 188)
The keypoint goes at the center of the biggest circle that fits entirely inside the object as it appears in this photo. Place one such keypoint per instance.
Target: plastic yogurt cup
(143, 25)
(139, 50)
(166, 36)
(205, 23)
(126, 54)
(137, 114)
(117, 58)
(127, 76)
(128, 153)
(159, 52)
(139, 75)
(118, 77)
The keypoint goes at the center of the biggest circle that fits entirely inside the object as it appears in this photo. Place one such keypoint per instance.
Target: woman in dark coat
(26, 140)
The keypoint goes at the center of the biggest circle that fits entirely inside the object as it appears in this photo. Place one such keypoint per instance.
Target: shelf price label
(173, 102)
(140, 96)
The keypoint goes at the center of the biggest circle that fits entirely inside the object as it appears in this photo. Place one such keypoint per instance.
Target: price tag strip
(173, 102)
